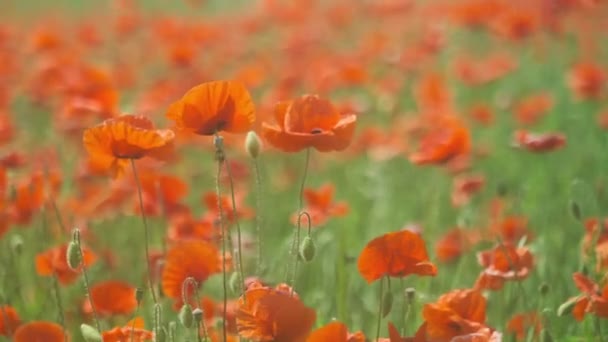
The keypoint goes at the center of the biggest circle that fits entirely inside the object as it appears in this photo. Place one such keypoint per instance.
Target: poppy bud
(90, 334)
(410, 294)
(185, 316)
(73, 255)
(575, 210)
(307, 249)
(172, 330)
(544, 289)
(139, 295)
(197, 314)
(253, 144)
(567, 307)
(233, 282)
(17, 244)
(387, 304)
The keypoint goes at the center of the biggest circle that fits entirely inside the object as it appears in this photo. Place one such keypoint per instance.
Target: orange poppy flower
(587, 80)
(520, 324)
(211, 202)
(538, 143)
(9, 320)
(134, 330)
(448, 140)
(516, 23)
(592, 300)
(185, 227)
(114, 142)
(482, 114)
(320, 207)
(395, 254)
(266, 314)
(162, 194)
(197, 259)
(457, 313)
(464, 187)
(335, 331)
(512, 229)
(503, 263)
(54, 261)
(213, 107)
(39, 331)
(454, 244)
(309, 121)
(111, 298)
(532, 108)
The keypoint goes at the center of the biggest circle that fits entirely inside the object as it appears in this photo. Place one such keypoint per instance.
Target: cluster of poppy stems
(128, 148)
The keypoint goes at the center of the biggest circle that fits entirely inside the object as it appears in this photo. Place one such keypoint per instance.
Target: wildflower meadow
(303, 170)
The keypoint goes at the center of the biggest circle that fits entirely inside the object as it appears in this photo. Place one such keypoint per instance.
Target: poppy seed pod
(544, 289)
(90, 334)
(307, 249)
(73, 255)
(387, 303)
(185, 316)
(253, 144)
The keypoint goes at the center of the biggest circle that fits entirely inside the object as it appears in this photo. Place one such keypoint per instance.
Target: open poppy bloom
(39, 331)
(210, 200)
(448, 139)
(196, 259)
(111, 298)
(9, 320)
(456, 314)
(454, 243)
(309, 121)
(592, 299)
(320, 207)
(395, 254)
(533, 142)
(277, 315)
(134, 331)
(54, 261)
(213, 107)
(587, 80)
(114, 142)
(503, 263)
(520, 324)
(335, 331)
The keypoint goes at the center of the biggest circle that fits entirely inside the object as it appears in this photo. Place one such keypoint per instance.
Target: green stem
(85, 275)
(223, 229)
(146, 232)
(238, 232)
(258, 215)
(380, 309)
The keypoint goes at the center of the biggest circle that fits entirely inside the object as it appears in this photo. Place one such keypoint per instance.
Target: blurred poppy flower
(54, 261)
(213, 107)
(320, 207)
(395, 254)
(9, 320)
(532, 108)
(210, 200)
(196, 259)
(520, 324)
(39, 331)
(541, 142)
(111, 298)
(309, 121)
(454, 243)
(266, 314)
(587, 80)
(114, 142)
(512, 229)
(591, 300)
(335, 331)
(448, 139)
(134, 330)
(185, 227)
(503, 263)
(464, 187)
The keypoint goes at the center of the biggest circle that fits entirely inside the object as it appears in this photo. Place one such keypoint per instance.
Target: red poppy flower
(320, 207)
(395, 254)
(114, 142)
(134, 330)
(111, 298)
(464, 187)
(592, 300)
(587, 80)
(213, 107)
(335, 331)
(39, 331)
(448, 140)
(54, 261)
(454, 243)
(309, 121)
(532, 108)
(544, 142)
(211, 202)
(196, 259)
(266, 314)
(9, 320)
(503, 263)
(520, 324)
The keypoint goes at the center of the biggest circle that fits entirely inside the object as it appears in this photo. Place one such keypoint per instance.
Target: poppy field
(304, 171)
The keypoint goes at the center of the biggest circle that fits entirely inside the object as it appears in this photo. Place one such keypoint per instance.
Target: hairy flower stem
(146, 232)
(85, 275)
(380, 308)
(296, 234)
(59, 302)
(239, 258)
(258, 215)
(219, 156)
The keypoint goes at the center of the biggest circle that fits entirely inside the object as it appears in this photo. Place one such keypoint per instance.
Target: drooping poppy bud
(253, 144)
